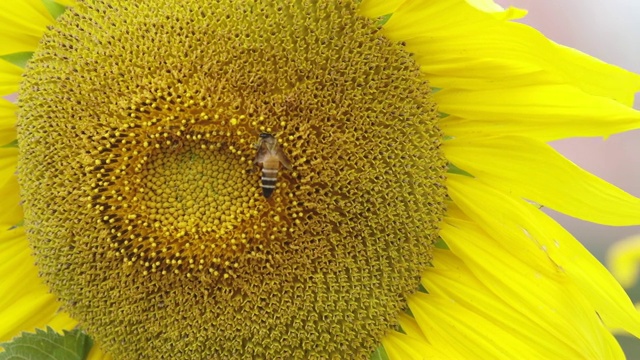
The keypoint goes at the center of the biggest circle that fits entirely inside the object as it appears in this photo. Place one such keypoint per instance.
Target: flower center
(150, 136)
(181, 200)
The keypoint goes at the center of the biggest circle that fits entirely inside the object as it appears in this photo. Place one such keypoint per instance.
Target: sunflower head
(138, 127)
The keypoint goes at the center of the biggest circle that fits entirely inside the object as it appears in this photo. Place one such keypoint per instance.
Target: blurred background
(610, 31)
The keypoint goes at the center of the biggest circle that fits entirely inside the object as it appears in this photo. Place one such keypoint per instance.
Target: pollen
(138, 130)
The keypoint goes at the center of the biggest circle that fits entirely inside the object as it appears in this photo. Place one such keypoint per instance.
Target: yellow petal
(485, 5)
(500, 13)
(473, 333)
(17, 268)
(11, 213)
(490, 61)
(542, 112)
(62, 321)
(377, 8)
(30, 313)
(624, 260)
(67, 2)
(605, 294)
(532, 236)
(413, 19)
(25, 303)
(22, 24)
(10, 76)
(96, 353)
(403, 347)
(410, 327)
(532, 170)
(7, 122)
(461, 46)
(536, 315)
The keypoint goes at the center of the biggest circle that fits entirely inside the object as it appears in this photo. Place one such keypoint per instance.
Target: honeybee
(270, 155)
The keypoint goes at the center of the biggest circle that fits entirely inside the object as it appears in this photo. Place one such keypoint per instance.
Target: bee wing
(262, 153)
(284, 160)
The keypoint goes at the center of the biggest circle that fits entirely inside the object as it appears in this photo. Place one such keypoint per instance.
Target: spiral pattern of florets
(138, 126)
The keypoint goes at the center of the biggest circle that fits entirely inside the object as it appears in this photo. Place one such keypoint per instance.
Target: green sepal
(13, 144)
(380, 354)
(19, 224)
(48, 344)
(54, 8)
(440, 244)
(422, 289)
(452, 169)
(19, 59)
(408, 312)
(383, 19)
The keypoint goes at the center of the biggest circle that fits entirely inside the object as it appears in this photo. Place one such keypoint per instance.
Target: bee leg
(254, 169)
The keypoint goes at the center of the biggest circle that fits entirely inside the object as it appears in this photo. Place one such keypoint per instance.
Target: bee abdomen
(269, 177)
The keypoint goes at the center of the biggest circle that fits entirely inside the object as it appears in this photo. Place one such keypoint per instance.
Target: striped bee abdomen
(270, 156)
(269, 177)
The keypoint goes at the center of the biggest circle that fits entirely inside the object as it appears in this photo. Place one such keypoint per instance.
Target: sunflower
(394, 209)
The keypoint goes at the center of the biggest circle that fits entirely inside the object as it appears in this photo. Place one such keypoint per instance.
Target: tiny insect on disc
(270, 156)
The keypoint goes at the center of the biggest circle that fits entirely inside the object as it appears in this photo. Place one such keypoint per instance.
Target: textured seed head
(138, 126)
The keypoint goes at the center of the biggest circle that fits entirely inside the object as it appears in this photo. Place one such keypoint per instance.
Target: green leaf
(19, 59)
(380, 354)
(54, 8)
(48, 344)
